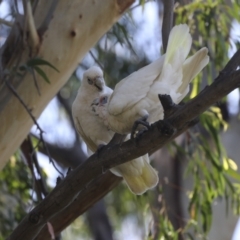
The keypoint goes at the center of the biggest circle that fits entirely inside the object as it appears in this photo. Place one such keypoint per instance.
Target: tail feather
(180, 40)
(135, 184)
(178, 48)
(192, 66)
(146, 178)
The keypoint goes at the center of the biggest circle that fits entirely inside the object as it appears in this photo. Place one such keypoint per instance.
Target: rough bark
(112, 155)
(85, 200)
(98, 220)
(67, 30)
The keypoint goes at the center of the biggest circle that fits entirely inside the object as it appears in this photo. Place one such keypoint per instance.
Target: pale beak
(98, 83)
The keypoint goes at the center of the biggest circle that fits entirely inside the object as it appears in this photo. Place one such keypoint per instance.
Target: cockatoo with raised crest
(138, 174)
(135, 98)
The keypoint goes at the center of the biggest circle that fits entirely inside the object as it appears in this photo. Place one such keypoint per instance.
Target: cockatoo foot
(140, 132)
(168, 105)
(166, 101)
(142, 121)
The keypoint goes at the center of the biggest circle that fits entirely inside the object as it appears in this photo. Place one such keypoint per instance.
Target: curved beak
(98, 83)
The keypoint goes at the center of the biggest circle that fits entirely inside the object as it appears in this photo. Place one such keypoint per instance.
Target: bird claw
(141, 131)
(138, 122)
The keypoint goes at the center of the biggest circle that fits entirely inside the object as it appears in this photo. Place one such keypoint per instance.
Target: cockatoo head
(93, 79)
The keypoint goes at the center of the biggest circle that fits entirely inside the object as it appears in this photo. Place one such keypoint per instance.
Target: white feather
(136, 96)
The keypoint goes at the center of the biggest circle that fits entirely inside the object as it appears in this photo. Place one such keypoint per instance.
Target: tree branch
(73, 157)
(5, 22)
(88, 196)
(49, 14)
(167, 21)
(158, 135)
(61, 154)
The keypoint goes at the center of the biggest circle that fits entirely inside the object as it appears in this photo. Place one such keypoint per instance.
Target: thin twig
(16, 6)
(5, 22)
(50, 159)
(96, 60)
(35, 122)
(26, 148)
(44, 26)
(34, 7)
(34, 158)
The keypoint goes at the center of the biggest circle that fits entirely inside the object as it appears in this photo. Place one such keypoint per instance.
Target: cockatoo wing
(168, 69)
(134, 87)
(90, 144)
(180, 41)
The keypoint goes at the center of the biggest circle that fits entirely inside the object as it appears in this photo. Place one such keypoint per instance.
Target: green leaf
(233, 174)
(42, 74)
(38, 61)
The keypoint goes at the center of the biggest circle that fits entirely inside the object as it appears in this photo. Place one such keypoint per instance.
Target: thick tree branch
(159, 134)
(89, 196)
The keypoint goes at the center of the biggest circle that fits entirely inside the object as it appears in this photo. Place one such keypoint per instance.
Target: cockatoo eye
(104, 100)
(90, 81)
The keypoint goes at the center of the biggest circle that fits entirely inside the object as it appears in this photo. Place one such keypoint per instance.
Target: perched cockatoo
(138, 174)
(135, 98)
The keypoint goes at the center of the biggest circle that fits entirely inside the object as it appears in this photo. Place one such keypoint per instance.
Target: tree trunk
(74, 27)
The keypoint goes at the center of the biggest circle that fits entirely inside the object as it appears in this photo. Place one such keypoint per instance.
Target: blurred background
(198, 193)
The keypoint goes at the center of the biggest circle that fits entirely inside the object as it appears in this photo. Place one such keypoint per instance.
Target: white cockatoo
(138, 174)
(135, 98)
